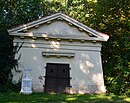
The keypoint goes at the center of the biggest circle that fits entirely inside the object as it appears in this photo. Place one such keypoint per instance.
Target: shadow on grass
(61, 98)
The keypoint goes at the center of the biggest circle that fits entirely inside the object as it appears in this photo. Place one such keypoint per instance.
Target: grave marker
(26, 87)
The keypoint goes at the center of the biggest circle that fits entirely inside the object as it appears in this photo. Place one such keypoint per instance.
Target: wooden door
(57, 78)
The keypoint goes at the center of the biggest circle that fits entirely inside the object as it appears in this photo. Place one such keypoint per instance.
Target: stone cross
(27, 70)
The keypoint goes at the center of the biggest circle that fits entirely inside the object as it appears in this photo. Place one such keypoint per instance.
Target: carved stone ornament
(26, 87)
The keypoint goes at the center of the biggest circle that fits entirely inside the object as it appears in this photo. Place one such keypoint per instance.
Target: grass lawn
(61, 98)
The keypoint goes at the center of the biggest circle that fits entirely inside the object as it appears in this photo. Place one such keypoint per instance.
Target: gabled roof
(100, 36)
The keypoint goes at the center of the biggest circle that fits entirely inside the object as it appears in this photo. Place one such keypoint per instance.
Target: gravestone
(26, 87)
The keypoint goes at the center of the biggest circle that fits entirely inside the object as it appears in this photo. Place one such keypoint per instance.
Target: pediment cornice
(60, 16)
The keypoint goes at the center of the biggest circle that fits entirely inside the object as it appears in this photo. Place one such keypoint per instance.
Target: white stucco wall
(86, 66)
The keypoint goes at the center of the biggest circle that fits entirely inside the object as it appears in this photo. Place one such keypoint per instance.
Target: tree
(17, 12)
(7, 60)
(111, 17)
(4, 52)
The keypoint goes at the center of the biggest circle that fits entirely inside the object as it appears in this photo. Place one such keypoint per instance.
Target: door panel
(51, 70)
(51, 85)
(63, 70)
(57, 78)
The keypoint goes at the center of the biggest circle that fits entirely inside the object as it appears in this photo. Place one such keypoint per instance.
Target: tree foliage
(7, 60)
(107, 16)
(112, 18)
(4, 54)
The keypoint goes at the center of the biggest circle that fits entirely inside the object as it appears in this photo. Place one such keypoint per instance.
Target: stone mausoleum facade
(63, 55)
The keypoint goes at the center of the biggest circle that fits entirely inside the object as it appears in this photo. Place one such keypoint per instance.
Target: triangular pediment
(57, 28)
(58, 25)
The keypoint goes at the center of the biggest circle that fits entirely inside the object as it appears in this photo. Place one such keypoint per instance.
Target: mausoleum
(63, 55)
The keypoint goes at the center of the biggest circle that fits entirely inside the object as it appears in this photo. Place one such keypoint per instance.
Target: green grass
(61, 98)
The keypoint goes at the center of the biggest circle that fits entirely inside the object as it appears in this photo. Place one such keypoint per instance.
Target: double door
(57, 78)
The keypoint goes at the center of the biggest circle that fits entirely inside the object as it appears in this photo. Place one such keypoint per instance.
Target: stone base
(26, 92)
